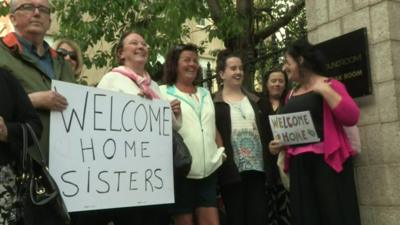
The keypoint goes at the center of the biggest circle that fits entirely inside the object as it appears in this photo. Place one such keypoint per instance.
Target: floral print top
(246, 144)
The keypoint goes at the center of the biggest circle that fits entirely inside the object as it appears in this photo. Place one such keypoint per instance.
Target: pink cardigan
(336, 146)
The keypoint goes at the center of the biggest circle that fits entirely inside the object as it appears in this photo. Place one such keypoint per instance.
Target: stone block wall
(378, 166)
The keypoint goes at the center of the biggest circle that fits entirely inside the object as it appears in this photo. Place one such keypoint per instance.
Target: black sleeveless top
(309, 101)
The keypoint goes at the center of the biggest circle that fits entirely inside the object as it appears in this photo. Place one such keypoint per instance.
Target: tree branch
(259, 11)
(245, 11)
(215, 10)
(281, 22)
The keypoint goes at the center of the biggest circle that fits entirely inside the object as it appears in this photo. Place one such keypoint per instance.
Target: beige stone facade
(198, 36)
(378, 166)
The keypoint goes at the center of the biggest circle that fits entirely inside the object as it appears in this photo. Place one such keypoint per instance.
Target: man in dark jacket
(29, 58)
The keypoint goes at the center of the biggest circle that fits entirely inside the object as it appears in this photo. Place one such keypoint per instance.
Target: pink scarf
(142, 82)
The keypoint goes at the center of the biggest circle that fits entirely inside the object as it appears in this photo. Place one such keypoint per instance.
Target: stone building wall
(378, 166)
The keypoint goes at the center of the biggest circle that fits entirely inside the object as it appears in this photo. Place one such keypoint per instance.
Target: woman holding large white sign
(322, 188)
(132, 78)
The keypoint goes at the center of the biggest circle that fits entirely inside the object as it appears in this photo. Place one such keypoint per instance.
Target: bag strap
(31, 133)
(28, 167)
(24, 149)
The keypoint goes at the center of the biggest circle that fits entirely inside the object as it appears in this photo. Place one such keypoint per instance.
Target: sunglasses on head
(64, 53)
(179, 47)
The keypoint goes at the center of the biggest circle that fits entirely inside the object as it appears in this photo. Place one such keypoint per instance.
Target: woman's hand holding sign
(3, 130)
(275, 146)
(176, 107)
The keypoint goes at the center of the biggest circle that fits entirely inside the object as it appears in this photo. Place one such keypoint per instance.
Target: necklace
(238, 107)
(193, 96)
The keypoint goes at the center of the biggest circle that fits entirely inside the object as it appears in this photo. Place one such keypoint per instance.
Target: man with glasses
(30, 59)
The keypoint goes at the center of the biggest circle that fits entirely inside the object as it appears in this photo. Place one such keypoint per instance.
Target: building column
(378, 166)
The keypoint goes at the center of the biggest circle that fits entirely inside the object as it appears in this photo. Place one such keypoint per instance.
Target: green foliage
(3, 8)
(162, 23)
(90, 22)
(229, 25)
(270, 52)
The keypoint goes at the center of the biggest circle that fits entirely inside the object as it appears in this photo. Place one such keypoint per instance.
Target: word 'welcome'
(109, 149)
(293, 128)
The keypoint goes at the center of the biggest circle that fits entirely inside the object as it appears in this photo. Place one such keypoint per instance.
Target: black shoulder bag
(38, 195)
(182, 158)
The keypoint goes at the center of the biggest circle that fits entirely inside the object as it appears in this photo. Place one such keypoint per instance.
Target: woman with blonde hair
(72, 53)
(130, 77)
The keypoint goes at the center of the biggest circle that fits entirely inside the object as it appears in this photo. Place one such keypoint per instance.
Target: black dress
(278, 209)
(15, 108)
(318, 193)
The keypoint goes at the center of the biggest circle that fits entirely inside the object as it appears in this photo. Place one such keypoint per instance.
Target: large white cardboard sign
(110, 150)
(293, 128)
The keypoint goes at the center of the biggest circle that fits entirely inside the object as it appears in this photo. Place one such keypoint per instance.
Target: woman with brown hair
(195, 194)
(275, 86)
(322, 189)
(242, 127)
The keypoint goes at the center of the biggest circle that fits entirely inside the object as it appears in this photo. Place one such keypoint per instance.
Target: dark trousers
(245, 202)
(321, 196)
(146, 215)
(278, 210)
(40, 216)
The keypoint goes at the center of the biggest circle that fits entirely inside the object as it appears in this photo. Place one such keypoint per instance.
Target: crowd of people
(233, 149)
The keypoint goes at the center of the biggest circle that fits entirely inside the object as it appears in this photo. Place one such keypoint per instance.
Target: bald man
(27, 56)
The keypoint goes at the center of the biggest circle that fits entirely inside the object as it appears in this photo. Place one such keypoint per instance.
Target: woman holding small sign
(243, 176)
(322, 189)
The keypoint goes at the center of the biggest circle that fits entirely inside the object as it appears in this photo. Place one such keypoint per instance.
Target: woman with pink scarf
(130, 77)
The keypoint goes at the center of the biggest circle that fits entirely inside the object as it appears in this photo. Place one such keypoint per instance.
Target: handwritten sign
(293, 128)
(110, 150)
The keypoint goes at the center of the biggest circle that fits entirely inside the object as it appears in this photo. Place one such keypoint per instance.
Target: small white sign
(293, 128)
(110, 150)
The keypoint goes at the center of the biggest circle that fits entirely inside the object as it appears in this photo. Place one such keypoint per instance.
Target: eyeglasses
(64, 53)
(137, 43)
(31, 8)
